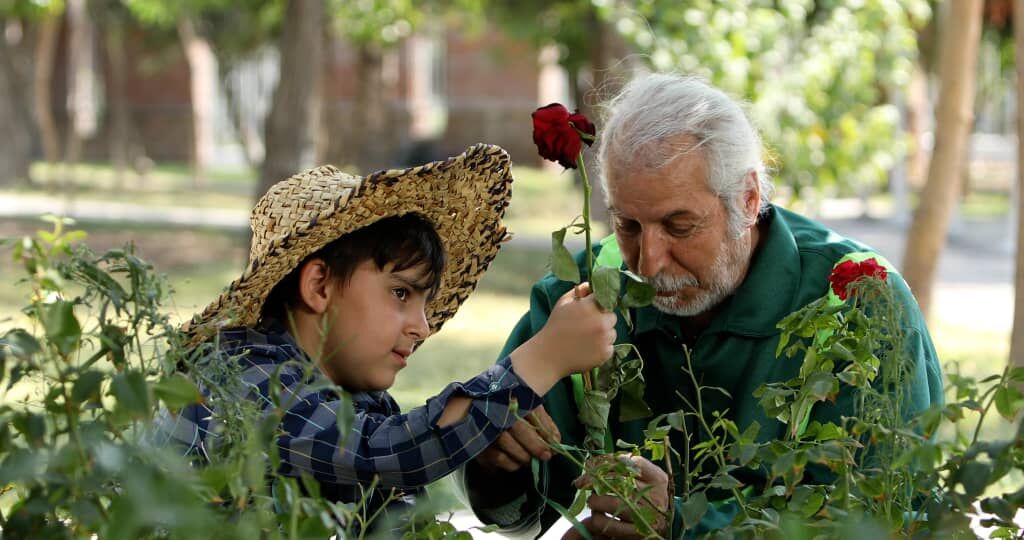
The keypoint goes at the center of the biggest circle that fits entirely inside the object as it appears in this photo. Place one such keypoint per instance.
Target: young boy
(351, 275)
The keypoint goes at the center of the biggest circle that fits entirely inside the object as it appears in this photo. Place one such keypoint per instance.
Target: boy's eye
(400, 292)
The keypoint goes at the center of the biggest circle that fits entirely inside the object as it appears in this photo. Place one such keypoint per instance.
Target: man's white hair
(647, 123)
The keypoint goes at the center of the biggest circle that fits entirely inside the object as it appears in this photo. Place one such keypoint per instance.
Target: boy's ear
(315, 285)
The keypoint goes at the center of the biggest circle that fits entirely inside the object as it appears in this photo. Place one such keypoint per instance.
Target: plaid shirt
(402, 451)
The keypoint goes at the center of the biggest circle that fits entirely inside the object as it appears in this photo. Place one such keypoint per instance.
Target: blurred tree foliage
(821, 76)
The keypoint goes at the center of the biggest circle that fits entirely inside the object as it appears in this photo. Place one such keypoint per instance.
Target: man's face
(674, 231)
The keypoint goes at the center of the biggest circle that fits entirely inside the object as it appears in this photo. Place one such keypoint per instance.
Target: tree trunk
(119, 143)
(82, 88)
(602, 56)
(368, 133)
(1017, 335)
(918, 113)
(15, 104)
(202, 67)
(954, 117)
(295, 111)
(42, 82)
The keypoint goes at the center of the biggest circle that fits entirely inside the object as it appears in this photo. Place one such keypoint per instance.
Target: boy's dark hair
(404, 241)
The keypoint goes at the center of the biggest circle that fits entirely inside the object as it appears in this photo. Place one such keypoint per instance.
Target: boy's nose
(418, 327)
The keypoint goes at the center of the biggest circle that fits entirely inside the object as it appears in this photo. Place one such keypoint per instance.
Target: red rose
(557, 134)
(848, 272)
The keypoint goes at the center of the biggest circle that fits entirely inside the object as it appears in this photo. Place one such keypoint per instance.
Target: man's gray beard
(725, 279)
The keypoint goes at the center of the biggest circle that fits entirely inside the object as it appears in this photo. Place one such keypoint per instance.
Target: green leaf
(743, 453)
(62, 328)
(694, 508)
(346, 414)
(974, 476)
(594, 409)
(606, 287)
(1017, 374)
(20, 344)
(87, 386)
(177, 391)
(21, 465)
(638, 293)
(999, 507)
(31, 426)
(725, 481)
(806, 501)
(571, 519)
(132, 394)
(562, 264)
(1008, 402)
(821, 385)
(632, 405)
(580, 502)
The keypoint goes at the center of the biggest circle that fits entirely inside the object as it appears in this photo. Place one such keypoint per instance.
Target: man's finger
(594, 526)
(604, 525)
(584, 481)
(649, 472)
(574, 534)
(613, 507)
(610, 505)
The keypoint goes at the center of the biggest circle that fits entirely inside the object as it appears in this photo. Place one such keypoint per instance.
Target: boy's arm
(403, 450)
(509, 499)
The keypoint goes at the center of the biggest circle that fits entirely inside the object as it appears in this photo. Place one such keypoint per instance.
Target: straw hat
(464, 197)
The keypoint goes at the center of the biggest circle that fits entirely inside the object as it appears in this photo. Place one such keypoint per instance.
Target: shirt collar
(762, 300)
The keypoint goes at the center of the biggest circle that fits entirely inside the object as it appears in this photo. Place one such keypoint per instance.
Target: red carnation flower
(848, 272)
(560, 136)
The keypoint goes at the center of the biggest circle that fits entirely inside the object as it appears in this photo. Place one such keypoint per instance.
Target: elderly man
(688, 192)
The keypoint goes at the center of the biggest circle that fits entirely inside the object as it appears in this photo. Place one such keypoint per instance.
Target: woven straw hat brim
(464, 197)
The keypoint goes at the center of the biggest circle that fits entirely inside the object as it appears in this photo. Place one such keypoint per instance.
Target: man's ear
(315, 286)
(751, 198)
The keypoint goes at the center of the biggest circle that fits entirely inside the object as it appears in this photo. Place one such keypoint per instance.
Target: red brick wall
(491, 90)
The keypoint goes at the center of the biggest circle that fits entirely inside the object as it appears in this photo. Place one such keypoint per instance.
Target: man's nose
(653, 253)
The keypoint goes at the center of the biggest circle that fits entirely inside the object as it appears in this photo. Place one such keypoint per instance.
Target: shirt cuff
(499, 393)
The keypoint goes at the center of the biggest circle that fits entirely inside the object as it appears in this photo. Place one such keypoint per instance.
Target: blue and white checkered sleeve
(404, 450)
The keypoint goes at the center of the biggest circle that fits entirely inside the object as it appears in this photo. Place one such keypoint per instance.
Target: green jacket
(735, 353)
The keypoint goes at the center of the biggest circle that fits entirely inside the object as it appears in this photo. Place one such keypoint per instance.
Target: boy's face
(374, 322)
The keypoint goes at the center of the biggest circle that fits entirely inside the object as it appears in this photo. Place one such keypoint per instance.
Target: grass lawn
(542, 199)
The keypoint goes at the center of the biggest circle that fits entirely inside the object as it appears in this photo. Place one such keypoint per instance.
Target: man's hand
(609, 515)
(528, 438)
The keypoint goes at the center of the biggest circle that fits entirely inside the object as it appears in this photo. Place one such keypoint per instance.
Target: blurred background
(159, 122)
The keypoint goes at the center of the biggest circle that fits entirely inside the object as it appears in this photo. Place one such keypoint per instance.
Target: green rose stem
(591, 373)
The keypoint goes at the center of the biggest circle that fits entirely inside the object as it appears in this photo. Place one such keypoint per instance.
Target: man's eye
(627, 226)
(682, 231)
(400, 292)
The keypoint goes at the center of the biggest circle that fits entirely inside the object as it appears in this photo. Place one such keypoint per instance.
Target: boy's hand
(528, 438)
(578, 336)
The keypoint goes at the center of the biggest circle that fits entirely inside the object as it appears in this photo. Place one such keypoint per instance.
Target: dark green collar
(764, 297)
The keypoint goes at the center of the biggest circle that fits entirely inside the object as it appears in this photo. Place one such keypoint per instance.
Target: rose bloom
(848, 272)
(557, 134)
